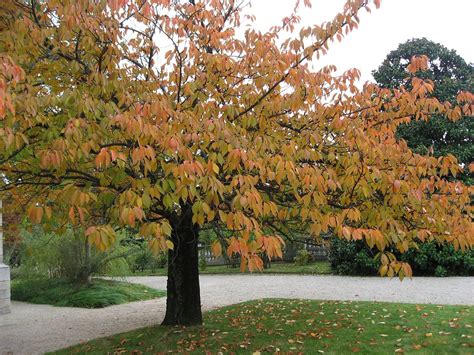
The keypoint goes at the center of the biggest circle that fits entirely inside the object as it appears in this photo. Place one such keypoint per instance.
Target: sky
(449, 22)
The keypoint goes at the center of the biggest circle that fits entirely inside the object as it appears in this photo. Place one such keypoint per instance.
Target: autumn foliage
(127, 113)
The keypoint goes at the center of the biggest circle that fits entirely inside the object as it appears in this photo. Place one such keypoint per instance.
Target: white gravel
(34, 329)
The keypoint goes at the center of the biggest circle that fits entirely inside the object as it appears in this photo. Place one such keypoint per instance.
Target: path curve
(34, 329)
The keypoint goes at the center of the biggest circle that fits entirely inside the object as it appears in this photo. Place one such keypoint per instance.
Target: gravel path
(33, 329)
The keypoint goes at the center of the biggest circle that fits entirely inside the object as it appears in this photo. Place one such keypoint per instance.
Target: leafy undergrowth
(302, 326)
(317, 268)
(98, 294)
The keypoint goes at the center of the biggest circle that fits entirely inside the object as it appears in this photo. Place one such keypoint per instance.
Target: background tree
(450, 73)
(169, 116)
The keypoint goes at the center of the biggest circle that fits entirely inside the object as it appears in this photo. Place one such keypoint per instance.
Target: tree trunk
(183, 304)
(88, 266)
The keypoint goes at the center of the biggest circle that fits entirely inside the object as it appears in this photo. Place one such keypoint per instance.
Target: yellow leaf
(166, 228)
(154, 246)
(346, 232)
(206, 208)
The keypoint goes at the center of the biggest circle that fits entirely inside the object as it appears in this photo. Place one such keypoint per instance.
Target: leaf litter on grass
(303, 326)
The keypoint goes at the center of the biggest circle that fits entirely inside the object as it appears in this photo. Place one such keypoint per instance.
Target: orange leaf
(216, 248)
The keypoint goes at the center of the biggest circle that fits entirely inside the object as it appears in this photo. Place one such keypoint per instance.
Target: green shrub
(439, 260)
(67, 256)
(141, 261)
(441, 271)
(303, 257)
(430, 259)
(144, 259)
(202, 264)
(351, 258)
(159, 261)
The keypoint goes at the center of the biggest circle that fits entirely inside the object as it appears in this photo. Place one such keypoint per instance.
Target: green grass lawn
(317, 268)
(311, 327)
(98, 294)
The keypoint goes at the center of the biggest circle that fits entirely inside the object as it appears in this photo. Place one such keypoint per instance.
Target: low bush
(303, 257)
(144, 259)
(351, 258)
(202, 263)
(430, 259)
(440, 260)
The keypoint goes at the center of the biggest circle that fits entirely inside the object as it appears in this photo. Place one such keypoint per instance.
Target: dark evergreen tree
(451, 74)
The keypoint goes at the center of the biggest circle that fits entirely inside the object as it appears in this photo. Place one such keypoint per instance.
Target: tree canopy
(168, 116)
(450, 73)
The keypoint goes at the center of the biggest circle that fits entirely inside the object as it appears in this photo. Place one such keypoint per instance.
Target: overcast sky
(449, 22)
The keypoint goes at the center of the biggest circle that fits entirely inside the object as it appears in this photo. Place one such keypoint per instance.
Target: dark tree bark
(267, 263)
(183, 304)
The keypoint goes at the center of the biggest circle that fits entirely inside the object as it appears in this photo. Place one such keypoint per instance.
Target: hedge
(431, 259)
